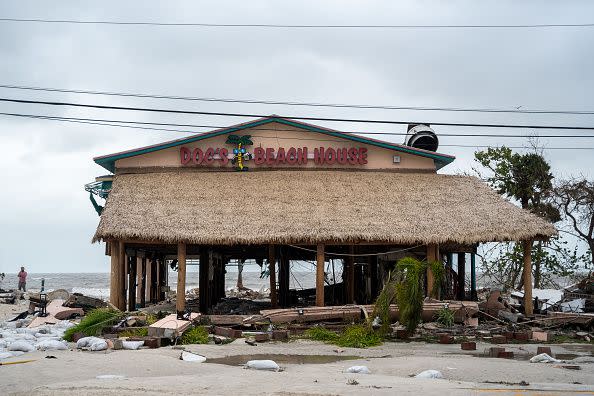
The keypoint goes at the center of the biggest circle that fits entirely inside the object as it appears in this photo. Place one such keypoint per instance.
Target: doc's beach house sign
(240, 153)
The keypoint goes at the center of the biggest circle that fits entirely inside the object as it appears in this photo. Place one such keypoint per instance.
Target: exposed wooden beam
(350, 275)
(180, 301)
(272, 275)
(121, 276)
(320, 275)
(114, 287)
(432, 255)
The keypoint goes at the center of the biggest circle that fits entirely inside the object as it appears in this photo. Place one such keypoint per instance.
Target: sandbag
(432, 374)
(20, 345)
(192, 357)
(100, 345)
(87, 342)
(358, 370)
(544, 358)
(51, 345)
(262, 365)
(132, 344)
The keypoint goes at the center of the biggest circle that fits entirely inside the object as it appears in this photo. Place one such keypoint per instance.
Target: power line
(296, 26)
(107, 122)
(291, 103)
(74, 120)
(157, 110)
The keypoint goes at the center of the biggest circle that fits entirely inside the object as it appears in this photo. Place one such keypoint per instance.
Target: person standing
(22, 279)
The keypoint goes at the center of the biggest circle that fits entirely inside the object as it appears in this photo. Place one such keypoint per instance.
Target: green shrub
(319, 333)
(138, 332)
(94, 321)
(445, 317)
(194, 335)
(358, 336)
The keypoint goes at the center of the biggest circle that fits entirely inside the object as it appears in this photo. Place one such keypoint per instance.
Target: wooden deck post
(320, 275)
(528, 304)
(473, 294)
(138, 264)
(461, 276)
(432, 256)
(284, 273)
(272, 275)
(143, 282)
(203, 277)
(350, 275)
(114, 286)
(121, 276)
(180, 301)
(132, 264)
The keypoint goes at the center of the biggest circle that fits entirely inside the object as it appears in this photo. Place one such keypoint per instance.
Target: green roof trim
(108, 161)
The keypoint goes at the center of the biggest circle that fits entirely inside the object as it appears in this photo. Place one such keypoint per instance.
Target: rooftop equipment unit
(421, 136)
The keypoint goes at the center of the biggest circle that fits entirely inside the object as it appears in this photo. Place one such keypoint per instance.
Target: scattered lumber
(170, 326)
(559, 318)
(56, 312)
(77, 300)
(225, 320)
(347, 313)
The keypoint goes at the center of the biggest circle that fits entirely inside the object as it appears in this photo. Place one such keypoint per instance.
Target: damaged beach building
(275, 190)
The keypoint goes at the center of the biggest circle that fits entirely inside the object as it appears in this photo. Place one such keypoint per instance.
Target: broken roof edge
(108, 161)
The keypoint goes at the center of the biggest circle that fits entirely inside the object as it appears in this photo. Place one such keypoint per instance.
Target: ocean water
(97, 284)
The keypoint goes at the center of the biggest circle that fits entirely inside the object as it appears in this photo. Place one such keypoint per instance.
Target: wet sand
(160, 372)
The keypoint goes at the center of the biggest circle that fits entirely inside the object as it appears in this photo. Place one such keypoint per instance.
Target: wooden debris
(55, 312)
(347, 313)
(170, 326)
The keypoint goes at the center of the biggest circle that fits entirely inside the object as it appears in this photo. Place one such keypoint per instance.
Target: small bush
(358, 336)
(445, 317)
(194, 335)
(319, 333)
(93, 322)
(139, 332)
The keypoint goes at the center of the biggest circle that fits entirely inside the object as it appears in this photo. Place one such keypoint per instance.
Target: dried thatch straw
(311, 207)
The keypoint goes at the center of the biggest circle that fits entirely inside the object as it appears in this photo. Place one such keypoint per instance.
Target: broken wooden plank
(170, 326)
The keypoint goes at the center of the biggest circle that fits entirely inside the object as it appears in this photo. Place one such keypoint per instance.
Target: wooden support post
(283, 279)
(431, 256)
(350, 275)
(272, 274)
(320, 260)
(164, 272)
(148, 280)
(461, 276)
(132, 283)
(143, 283)
(528, 304)
(473, 295)
(373, 274)
(121, 276)
(203, 281)
(180, 302)
(138, 264)
(114, 286)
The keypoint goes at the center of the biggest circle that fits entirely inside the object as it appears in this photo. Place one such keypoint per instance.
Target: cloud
(44, 209)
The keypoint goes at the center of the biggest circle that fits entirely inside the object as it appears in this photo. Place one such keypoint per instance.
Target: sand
(160, 372)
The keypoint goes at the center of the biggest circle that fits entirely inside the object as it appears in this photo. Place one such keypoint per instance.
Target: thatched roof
(311, 207)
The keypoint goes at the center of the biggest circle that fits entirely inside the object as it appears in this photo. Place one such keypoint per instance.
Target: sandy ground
(9, 311)
(160, 372)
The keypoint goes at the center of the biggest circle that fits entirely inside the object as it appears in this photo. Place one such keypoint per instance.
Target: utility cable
(298, 26)
(291, 103)
(354, 120)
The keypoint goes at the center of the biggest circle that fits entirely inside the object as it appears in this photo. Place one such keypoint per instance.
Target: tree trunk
(537, 265)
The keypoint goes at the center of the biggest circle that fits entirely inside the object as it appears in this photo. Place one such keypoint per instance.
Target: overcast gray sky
(46, 219)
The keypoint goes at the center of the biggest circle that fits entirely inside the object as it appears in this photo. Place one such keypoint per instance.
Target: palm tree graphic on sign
(240, 154)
